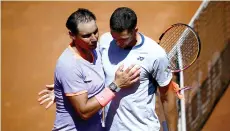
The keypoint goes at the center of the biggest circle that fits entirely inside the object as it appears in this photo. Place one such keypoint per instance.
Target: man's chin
(121, 46)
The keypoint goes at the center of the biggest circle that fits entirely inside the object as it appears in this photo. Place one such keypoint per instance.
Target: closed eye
(95, 32)
(88, 35)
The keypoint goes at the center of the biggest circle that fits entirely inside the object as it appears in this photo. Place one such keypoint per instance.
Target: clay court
(34, 35)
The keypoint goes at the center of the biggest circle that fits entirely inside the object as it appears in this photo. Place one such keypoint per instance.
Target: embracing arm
(83, 106)
(87, 107)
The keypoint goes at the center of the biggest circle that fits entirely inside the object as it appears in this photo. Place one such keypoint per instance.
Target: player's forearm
(170, 110)
(86, 108)
(92, 106)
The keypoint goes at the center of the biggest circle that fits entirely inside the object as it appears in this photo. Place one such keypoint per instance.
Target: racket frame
(198, 39)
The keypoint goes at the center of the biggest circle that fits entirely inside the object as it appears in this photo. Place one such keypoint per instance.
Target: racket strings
(189, 49)
(171, 37)
(169, 44)
(180, 44)
(185, 51)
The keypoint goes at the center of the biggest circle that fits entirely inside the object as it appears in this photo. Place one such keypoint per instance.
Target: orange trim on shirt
(75, 94)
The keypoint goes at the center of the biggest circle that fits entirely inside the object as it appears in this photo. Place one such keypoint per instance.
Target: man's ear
(136, 29)
(72, 36)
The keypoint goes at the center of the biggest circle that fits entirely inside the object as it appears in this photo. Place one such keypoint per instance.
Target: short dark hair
(123, 18)
(80, 16)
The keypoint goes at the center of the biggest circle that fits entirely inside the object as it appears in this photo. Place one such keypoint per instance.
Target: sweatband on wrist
(105, 96)
(175, 86)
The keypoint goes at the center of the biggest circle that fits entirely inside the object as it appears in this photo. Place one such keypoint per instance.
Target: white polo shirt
(133, 109)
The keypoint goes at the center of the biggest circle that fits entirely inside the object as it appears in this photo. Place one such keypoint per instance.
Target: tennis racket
(182, 45)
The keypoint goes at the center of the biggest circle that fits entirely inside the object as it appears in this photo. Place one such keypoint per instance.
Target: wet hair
(123, 18)
(80, 16)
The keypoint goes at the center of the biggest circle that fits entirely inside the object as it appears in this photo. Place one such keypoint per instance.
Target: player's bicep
(78, 101)
(164, 89)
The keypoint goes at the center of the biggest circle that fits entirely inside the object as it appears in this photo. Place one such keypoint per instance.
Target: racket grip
(186, 88)
(103, 117)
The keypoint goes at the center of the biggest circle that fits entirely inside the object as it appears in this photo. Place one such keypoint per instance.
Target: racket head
(182, 45)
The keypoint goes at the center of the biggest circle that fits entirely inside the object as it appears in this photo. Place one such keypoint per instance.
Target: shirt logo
(167, 71)
(140, 58)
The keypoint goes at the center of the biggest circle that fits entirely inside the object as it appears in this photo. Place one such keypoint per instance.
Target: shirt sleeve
(162, 74)
(72, 80)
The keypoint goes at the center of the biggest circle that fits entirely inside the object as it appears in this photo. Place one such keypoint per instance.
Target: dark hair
(80, 16)
(123, 18)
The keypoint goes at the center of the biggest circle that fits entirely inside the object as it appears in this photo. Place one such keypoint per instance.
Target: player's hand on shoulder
(47, 95)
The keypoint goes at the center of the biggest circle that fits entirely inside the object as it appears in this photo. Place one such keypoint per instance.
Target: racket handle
(103, 117)
(186, 88)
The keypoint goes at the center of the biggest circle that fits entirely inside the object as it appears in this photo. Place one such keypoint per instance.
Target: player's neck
(82, 53)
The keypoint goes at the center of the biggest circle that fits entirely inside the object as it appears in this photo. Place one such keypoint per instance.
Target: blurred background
(34, 35)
